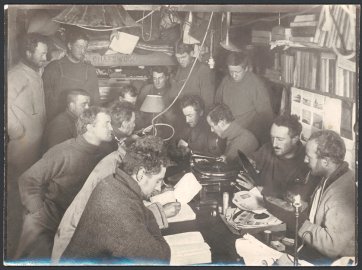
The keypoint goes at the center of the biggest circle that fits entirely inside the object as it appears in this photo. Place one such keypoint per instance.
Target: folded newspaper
(251, 200)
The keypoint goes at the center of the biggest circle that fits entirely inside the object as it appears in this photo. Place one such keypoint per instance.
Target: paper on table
(124, 43)
(186, 188)
(163, 198)
(255, 252)
(186, 213)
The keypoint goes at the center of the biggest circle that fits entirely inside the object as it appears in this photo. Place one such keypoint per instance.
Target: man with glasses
(246, 96)
(69, 72)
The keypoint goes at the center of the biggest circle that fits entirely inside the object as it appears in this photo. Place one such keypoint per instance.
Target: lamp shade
(152, 104)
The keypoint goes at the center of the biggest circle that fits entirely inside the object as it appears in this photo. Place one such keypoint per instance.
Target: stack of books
(346, 82)
(303, 28)
(327, 72)
(335, 27)
(188, 248)
(260, 36)
(287, 67)
(305, 72)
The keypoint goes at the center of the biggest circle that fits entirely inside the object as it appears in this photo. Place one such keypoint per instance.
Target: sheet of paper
(254, 252)
(184, 238)
(124, 43)
(163, 198)
(187, 188)
(186, 213)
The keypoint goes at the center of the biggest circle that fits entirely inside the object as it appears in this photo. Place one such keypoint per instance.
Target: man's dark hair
(291, 122)
(133, 92)
(194, 101)
(73, 34)
(237, 59)
(73, 93)
(182, 48)
(160, 69)
(329, 145)
(221, 112)
(147, 152)
(30, 41)
(88, 117)
(120, 112)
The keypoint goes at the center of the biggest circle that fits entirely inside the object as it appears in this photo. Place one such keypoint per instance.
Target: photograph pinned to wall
(296, 95)
(306, 132)
(296, 109)
(306, 117)
(332, 114)
(319, 101)
(346, 120)
(307, 98)
(317, 121)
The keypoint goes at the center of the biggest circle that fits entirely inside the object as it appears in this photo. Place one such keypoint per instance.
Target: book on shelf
(188, 248)
(303, 31)
(304, 23)
(305, 18)
(303, 39)
(185, 190)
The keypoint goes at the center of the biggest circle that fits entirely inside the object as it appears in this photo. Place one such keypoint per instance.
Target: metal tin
(267, 237)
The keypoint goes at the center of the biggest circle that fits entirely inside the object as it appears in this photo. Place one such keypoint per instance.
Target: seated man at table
(280, 162)
(63, 126)
(222, 122)
(123, 122)
(332, 217)
(115, 225)
(198, 136)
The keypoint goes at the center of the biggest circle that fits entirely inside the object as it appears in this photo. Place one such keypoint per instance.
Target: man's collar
(27, 64)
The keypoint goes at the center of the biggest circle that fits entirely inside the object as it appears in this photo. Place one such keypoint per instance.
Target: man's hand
(245, 181)
(171, 209)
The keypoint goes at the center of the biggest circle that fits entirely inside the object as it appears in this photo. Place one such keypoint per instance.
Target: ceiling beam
(242, 8)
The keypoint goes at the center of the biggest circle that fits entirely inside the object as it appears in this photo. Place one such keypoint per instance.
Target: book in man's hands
(185, 190)
(188, 248)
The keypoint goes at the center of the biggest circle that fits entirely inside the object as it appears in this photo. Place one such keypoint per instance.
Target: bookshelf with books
(319, 65)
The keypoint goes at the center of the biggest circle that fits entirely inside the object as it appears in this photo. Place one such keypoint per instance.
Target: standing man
(198, 136)
(26, 109)
(223, 123)
(63, 126)
(247, 97)
(26, 119)
(201, 81)
(69, 72)
(332, 217)
(50, 185)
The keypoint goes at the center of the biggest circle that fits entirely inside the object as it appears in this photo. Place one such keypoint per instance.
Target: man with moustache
(123, 122)
(69, 72)
(280, 162)
(26, 118)
(50, 185)
(332, 217)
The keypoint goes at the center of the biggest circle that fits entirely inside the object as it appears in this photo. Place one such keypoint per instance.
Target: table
(214, 231)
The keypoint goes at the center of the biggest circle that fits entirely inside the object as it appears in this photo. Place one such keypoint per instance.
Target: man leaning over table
(115, 226)
(123, 122)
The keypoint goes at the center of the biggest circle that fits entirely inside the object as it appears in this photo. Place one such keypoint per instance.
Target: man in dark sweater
(115, 225)
(50, 185)
(69, 72)
(63, 126)
(198, 136)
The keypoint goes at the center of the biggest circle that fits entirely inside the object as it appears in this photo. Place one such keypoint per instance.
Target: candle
(297, 199)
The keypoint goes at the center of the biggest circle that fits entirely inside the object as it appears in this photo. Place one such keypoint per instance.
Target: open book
(188, 248)
(186, 188)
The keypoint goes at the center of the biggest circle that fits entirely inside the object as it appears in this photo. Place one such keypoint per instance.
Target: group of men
(83, 145)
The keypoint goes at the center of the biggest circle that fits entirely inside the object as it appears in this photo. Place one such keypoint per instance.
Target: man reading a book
(115, 225)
